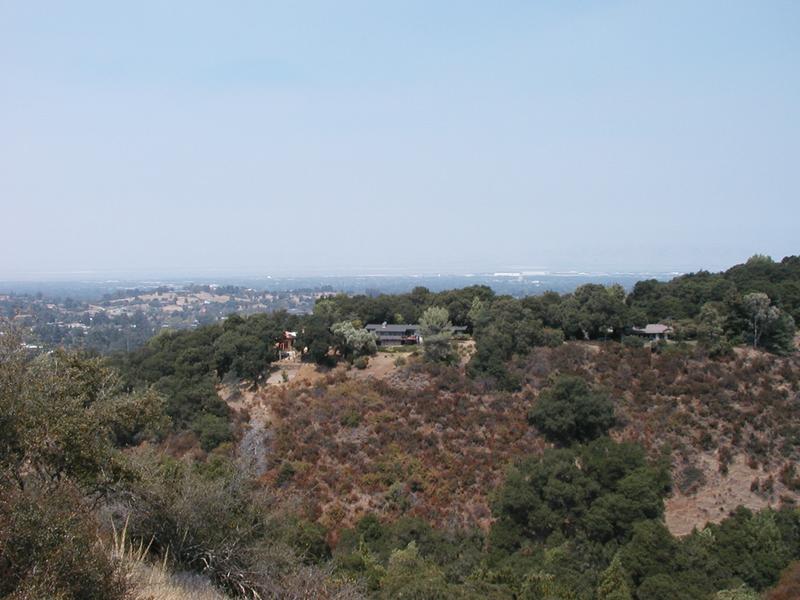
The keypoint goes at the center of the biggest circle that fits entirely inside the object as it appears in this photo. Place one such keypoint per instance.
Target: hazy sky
(276, 137)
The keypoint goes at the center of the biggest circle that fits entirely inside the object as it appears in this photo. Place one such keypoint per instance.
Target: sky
(299, 137)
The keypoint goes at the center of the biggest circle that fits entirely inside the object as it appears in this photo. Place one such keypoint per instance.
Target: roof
(402, 328)
(653, 329)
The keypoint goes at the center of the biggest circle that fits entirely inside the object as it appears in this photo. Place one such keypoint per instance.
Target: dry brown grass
(151, 582)
(391, 439)
(148, 581)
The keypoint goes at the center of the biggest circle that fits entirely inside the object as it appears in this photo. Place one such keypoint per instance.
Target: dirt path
(380, 366)
(288, 371)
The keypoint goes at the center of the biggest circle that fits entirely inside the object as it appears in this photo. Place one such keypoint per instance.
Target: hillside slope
(432, 443)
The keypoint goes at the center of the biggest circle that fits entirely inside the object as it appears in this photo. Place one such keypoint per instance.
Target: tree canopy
(437, 334)
(570, 411)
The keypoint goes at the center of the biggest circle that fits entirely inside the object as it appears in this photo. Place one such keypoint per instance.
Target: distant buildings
(401, 334)
(285, 345)
(286, 341)
(654, 331)
(395, 335)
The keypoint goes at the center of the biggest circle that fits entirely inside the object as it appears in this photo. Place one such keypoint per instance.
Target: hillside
(433, 444)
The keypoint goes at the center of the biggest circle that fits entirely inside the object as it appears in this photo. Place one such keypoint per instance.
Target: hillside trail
(255, 442)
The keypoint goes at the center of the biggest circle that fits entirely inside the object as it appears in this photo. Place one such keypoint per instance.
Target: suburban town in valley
(126, 318)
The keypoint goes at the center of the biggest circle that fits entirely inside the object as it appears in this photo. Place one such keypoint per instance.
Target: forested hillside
(547, 453)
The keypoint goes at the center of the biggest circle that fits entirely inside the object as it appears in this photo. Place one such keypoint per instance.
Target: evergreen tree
(437, 334)
(614, 583)
(570, 411)
(711, 330)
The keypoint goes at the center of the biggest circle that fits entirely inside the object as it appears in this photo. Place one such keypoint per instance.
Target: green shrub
(598, 491)
(570, 411)
(361, 362)
(211, 430)
(49, 548)
(666, 587)
(633, 341)
(551, 337)
(410, 576)
(308, 540)
(285, 473)
(351, 418)
(397, 497)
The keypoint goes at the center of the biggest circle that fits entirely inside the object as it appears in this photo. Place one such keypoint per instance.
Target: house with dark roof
(401, 334)
(395, 335)
(654, 331)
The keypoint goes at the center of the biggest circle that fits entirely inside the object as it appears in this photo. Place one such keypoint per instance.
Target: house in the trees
(654, 331)
(285, 344)
(395, 335)
(401, 335)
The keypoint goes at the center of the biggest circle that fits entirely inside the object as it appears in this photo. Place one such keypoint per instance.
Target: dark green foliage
(572, 511)
(633, 341)
(246, 347)
(502, 329)
(60, 415)
(779, 280)
(211, 430)
(405, 308)
(493, 351)
(710, 330)
(316, 337)
(679, 298)
(746, 547)
(756, 547)
(308, 540)
(614, 582)
(666, 587)
(597, 491)
(685, 296)
(594, 312)
(180, 365)
(49, 547)
(570, 411)
(382, 538)
(651, 551)
(447, 558)
(435, 329)
(285, 474)
(185, 367)
(779, 335)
